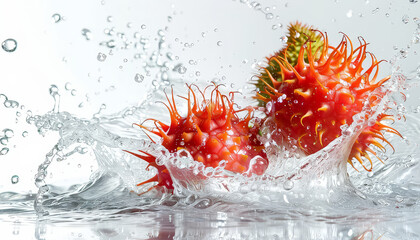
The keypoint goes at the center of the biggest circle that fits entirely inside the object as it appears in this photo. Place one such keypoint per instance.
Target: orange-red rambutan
(211, 132)
(311, 99)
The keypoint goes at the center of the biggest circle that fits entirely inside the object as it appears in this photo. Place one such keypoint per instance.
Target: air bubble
(349, 13)
(9, 45)
(86, 33)
(405, 19)
(15, 179)
(56, 17)
(138, 78)
(24, 134)
(101, 57)
(283, 39)
(219, 43)
(109, 19)
(288, 185)
(269, 16)
(8, 133)
(143, 26)
(4, 151)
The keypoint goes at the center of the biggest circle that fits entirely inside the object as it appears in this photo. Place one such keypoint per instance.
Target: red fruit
(311, 100)
(211, 132)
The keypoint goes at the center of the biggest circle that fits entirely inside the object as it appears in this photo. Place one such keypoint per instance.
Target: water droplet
(283, 39)
(412, 1)
(197, 73)
(143, 26)
(79, 165)
(405, 19)
(101, 57)
(138, 78)
(219, 43)
(9, 45)
(73, 92)
(269, 16)
(8, 132)
(4, 151)
(288, 185)
(274, 27)
(4, 140)
(56, 17)
(24, 134)
(15, 179)
(161, 33)
(109, 19)
(349, 13)
(374, 11)
(129, 25)
(86, 33)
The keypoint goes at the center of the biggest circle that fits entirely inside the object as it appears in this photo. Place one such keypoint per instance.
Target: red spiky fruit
(310, 100)
(211, 132)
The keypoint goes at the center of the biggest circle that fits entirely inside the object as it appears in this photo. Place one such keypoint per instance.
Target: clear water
(85, 186)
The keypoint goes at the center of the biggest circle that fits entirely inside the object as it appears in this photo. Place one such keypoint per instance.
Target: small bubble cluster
(6, 135)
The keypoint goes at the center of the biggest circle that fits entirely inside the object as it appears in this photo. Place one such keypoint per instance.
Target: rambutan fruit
(211, 132)
(311, 96)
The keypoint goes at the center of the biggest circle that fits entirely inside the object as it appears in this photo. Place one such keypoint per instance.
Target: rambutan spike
(351, 47)
(387, 117)
(173, 100)
(282, 68)
(344, 62)
(290, 81)
(301, 58)
(351, 163)
(299, 143)
(316, 127)
(294, 71)
(324, 50)
(275, 83)
(172, 106)
(143, 127)
(357, 82)
(327, 64)
(262, 98)
(162, 125)
(194, 105)
(294, 115)
(374, 153)
(389, 129)
(153, 179)
(320, 136)
(305, 94)
(269, 86)
(373, 66)
(376, 143)
(378, 84)
(307, 114)
(149, 136)
(174, 116)
(311, 61)
(162, 133)
(357, 156)
(201, 92)
(384, 139)
(324, 108)
(149, 159)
